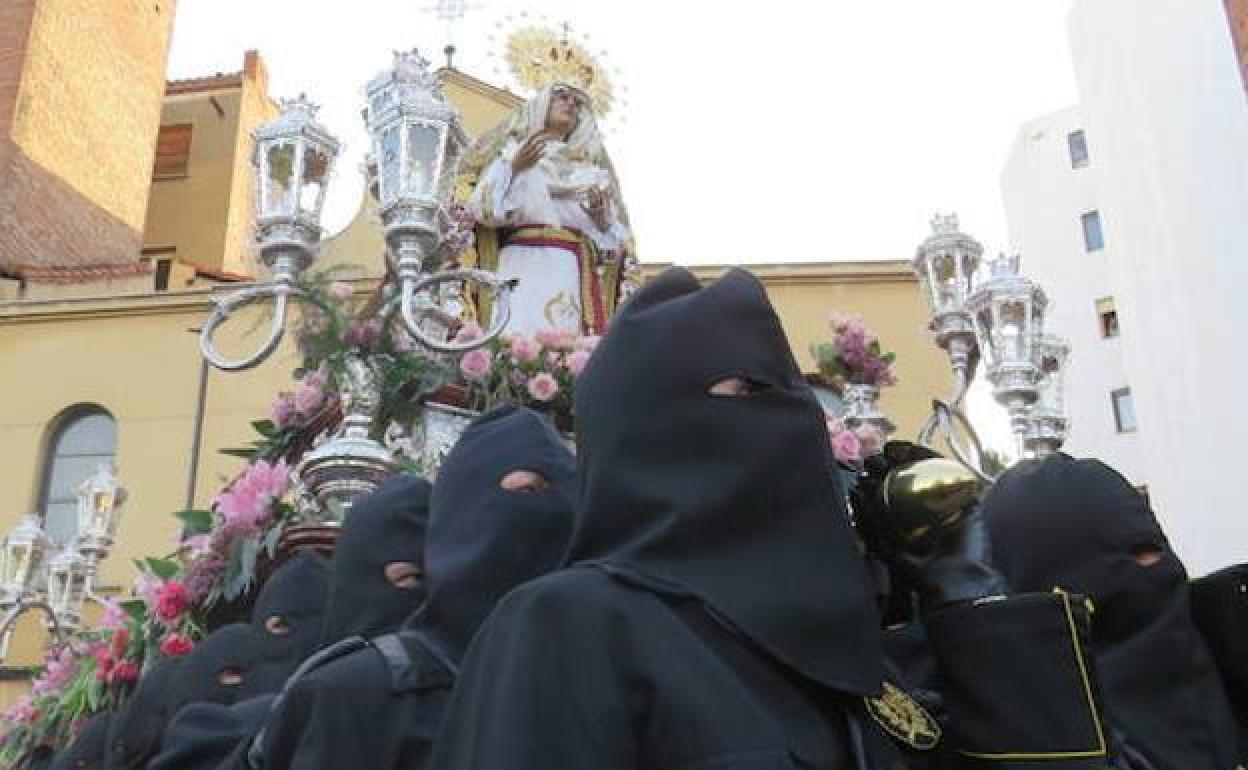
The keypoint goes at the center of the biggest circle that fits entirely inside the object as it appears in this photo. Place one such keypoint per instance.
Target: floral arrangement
(539, 372)
(220, 551)
(852, 445)
(854, 356)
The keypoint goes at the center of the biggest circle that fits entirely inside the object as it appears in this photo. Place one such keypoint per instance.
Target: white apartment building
(1132, 209)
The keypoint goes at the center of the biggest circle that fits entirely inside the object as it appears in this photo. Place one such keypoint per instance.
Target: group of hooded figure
(689, 592)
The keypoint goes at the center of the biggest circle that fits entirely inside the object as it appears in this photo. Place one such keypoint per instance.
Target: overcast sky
(785, 130)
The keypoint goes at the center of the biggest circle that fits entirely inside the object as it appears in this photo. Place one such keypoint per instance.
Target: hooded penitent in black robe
(380, 707)
(87, 751)
(386, 527)
(717, 613)
(290, 609)
(1078, 525)
(135, 731)
(1220, 607)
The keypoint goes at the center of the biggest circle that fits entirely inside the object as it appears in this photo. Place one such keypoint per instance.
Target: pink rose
(577, 361)
(524, 349)
(475, 364)
(846, 447)
(125, 671)
(543, 387)
(340, 290)
(835, 425)
(469, 332)
(555, 339)
(588, 342)
(175, 645)
(283, 410)
(870, 438)
(171, 601)
(319, 378)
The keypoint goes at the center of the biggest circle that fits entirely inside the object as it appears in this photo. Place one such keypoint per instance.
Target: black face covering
(88, 749)
(290, 610)
(726, 498)
(1078, 525)
(135, 730)
(231, 664)
(485, 540)
(388, 526)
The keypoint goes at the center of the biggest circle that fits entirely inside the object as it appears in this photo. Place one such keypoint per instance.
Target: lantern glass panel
(17, 565)
(422, 159)
(945, 290)
(279, 169)
(388, 161)
(988, 338)
(315, 174)
(1013, 331)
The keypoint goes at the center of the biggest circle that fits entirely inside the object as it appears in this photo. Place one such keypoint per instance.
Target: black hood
(136, 728)
(1078, 525)
(484, 540)
(726, 498)
(239, 650)
(387, 526)
(87, 750)
(290, 610)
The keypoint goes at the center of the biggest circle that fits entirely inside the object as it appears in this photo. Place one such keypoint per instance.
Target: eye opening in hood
(230, 676)
(404, 574)
(524, 481)
(736, 386)
(276, 625)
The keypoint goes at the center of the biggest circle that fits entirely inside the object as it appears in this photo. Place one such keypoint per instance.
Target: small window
(83, 438)
(1093, 238)
(1124, 410)
(173, 152)
(1078, 144)
(1108, 315)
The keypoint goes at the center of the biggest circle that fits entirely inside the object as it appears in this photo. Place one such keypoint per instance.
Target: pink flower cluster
(58, 669)
(363, 334)
(245, 505)
(111, 665)
(22, 711)
(852, 445)
(855, 355)
(459, 234)
(536, 370)
(304, 403)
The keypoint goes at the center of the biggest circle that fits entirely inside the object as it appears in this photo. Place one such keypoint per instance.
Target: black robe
(386, 527)
(380, 706)
(136, 729)
(718, 612)
(1078, 525)
(1220, 608)
(87, 751)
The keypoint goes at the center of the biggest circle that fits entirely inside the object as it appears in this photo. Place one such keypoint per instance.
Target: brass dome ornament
(928, 497)
(537, 54)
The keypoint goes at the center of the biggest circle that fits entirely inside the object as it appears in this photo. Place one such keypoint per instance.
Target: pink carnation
(171, 602)
(577, 361)
(58, 670)
(475, 364)
(524, 349)
(847, 447)
(125, 671)
(340, 290)
(244, 506)
(543, 387)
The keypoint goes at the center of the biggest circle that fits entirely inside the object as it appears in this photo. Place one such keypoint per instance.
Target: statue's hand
(530, 152)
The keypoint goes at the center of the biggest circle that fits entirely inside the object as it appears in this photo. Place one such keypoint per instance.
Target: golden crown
(539, 56)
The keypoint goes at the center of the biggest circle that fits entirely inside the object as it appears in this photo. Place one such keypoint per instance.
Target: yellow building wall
(89, 102)
(254, 107)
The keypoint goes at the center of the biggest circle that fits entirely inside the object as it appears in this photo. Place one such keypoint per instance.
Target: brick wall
(1237, 13)
(80, 96)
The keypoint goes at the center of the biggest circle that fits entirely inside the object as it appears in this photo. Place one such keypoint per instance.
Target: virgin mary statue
(549, 213)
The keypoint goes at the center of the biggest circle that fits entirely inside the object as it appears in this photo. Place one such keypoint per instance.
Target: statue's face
(564, 111)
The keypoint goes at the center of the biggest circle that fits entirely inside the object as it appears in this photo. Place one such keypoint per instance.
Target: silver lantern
(1048, 421)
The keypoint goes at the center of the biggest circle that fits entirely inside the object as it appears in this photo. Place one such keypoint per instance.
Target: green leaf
(270, 540)
(246, 454)
(196, 522)
(161, 568)
(265, 428)
(136, 609)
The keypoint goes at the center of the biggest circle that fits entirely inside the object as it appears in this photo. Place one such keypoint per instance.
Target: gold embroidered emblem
(903, 718)
(560, 309)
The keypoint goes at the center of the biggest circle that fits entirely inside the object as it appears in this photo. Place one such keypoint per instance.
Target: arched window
(82, 438)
